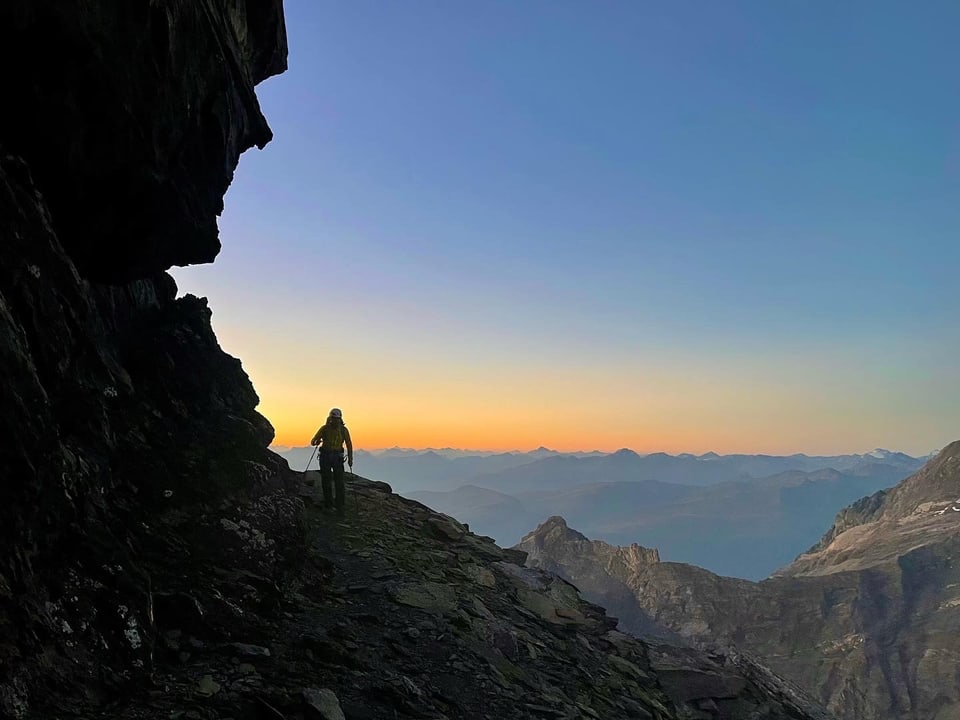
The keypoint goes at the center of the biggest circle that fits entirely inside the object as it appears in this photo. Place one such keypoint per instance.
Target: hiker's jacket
(332, 437)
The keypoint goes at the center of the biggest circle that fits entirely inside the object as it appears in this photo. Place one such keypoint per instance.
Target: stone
(505, 641)
(574, 615)
(446, 528)
(515, 556)
(322, 704)
(250, 650)
(479, 609)
(481, 575)
(626, 667)
(207, 686)
(427, 596)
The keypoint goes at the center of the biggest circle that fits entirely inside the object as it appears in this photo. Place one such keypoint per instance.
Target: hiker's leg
(326, 480)
(341, 490)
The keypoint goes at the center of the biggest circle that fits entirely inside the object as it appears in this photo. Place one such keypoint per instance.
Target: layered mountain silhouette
(866, 620)
(747, 527)
(544, 469)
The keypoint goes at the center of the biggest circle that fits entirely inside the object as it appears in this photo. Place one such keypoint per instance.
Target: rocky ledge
(398, 611)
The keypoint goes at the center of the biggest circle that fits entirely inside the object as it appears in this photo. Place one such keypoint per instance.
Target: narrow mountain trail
(396, 611)
(399, 612)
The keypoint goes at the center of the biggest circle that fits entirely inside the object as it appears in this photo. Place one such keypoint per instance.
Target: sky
(676, 226)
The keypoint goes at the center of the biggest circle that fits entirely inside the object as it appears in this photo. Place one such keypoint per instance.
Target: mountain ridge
(745, 528)
(866, 623)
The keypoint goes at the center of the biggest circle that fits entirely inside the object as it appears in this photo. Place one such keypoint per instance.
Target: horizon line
(544, 448)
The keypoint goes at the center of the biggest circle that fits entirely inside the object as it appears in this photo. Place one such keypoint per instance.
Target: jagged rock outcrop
(932, 488)
(132, 117)
(601, 568)
(121, 128)
(118, 406)
(866, 620)
(158, 560)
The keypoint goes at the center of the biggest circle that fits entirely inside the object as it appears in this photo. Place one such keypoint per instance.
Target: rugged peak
(552, 530)
(920, 497)
(950, 451)
(878, 597)
(615, 577)
(555, 539)
(937, 482)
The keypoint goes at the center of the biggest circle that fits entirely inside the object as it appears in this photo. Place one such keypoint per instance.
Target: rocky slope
(398, 611)
(158, 560)
(866, 620)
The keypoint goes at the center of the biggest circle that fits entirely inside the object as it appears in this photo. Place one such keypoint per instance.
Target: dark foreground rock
(123, 424)
(133, 116)
(384, 618)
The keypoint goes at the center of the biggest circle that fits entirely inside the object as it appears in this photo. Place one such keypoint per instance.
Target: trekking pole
(353, 490)
(356, 500)
(311, 459)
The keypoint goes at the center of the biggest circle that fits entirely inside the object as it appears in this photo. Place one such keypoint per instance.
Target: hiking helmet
(336, 413)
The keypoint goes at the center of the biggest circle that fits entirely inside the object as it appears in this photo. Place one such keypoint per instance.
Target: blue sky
(537, 207)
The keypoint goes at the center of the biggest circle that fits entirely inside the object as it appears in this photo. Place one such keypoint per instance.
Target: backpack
(333, 437)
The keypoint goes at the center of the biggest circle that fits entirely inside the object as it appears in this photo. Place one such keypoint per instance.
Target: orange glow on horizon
(672, 408)
(373, 435)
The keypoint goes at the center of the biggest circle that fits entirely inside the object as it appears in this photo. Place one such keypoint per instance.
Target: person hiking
(331, 439)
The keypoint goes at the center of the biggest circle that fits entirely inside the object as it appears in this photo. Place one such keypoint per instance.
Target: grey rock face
(865, 621)
(322, 704)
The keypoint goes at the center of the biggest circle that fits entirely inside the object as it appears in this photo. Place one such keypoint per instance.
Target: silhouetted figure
(331, 439)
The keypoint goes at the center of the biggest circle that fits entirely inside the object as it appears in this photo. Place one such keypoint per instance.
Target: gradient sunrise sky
(677, 226)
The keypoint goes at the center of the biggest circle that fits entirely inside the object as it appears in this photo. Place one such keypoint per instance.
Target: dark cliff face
(122, 126)
(132, 117)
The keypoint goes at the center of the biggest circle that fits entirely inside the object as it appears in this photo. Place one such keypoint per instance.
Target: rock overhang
(133, 138)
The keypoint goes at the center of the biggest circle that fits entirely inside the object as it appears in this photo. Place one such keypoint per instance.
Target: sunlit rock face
(865, 620)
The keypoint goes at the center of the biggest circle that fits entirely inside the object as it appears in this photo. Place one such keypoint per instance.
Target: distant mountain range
(739, 515)
(410, 470)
